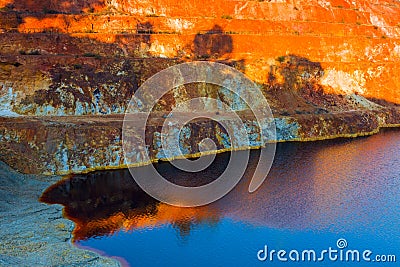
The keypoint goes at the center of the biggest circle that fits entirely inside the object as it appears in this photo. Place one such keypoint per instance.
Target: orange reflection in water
(180, 218)
(102, 203)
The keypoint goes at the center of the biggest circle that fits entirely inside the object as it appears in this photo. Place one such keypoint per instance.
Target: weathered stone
(62, 145)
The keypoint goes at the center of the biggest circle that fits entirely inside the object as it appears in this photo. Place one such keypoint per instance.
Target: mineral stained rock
(68, 70)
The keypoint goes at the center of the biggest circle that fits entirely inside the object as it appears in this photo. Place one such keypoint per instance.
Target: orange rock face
(356, 43)
(311, 58)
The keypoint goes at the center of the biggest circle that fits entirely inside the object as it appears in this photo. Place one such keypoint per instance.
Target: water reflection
(101, 203)
(346, 187)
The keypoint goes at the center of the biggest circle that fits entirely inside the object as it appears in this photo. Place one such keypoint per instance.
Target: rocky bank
(34, 233)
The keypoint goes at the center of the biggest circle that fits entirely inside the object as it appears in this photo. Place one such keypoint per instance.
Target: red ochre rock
(68, 70)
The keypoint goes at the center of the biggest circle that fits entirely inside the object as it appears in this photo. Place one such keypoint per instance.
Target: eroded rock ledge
(77, 144)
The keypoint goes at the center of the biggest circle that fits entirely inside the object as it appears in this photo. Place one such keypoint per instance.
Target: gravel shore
(34, 233)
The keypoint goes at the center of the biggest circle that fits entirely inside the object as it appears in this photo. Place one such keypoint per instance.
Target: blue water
(315, 194)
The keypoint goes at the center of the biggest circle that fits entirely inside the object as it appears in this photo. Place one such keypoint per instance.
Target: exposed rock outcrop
(327, 68)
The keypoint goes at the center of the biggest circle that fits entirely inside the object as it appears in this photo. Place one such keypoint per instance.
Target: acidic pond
(327, 203)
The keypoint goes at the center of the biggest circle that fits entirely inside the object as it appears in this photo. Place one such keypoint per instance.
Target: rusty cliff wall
(69, 68)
